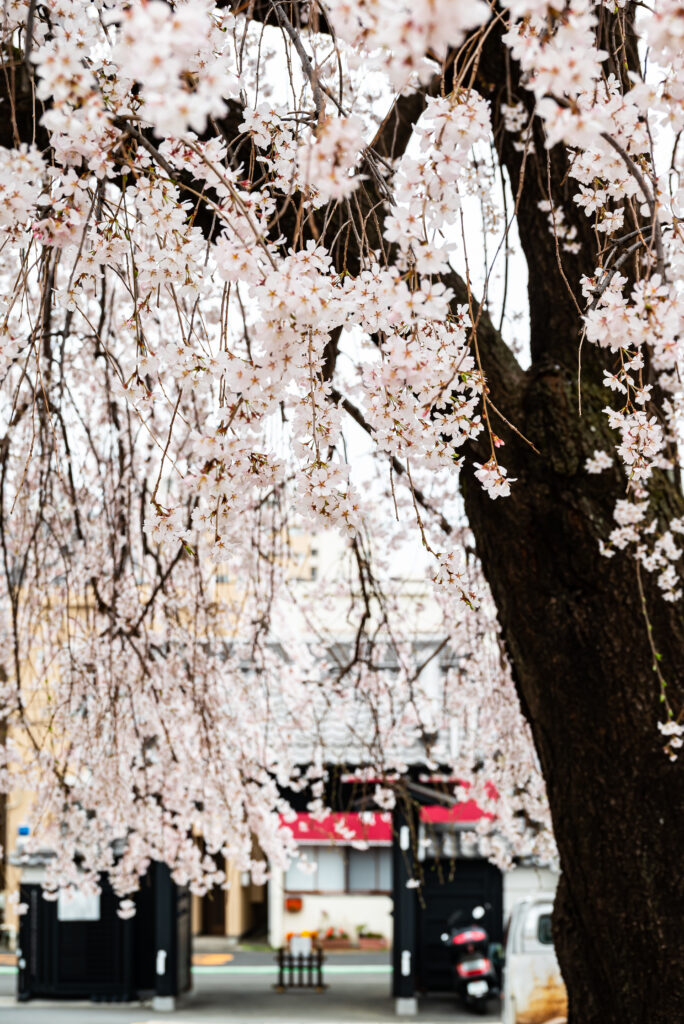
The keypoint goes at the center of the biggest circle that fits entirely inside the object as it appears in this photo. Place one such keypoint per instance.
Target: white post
(276, 927)
(162, 1004)
(406, 1006)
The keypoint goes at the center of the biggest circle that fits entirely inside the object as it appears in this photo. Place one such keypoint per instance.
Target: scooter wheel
(480, 1006)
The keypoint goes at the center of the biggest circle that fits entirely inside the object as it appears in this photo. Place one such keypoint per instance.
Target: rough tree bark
(584, 633)
(581, 649)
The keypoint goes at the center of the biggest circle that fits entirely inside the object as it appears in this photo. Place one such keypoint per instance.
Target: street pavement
(239, 990)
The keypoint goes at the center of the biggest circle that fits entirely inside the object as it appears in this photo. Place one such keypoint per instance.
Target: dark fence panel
(108, 959)
(300, 970)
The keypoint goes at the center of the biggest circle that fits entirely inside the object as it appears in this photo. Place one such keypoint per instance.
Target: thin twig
(398, 467)
(307, 66)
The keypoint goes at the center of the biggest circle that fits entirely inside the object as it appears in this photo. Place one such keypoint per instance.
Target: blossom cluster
(406, 32)
(182, 60)
(327, 158)
(212, 285)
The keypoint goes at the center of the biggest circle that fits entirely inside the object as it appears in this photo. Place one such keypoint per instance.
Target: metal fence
(300, 970)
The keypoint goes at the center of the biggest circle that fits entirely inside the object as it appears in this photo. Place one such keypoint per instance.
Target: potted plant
(335, 938)
(370, 940)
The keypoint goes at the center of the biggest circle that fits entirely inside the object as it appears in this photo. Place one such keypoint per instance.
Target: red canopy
(466, 813)
(372, 827)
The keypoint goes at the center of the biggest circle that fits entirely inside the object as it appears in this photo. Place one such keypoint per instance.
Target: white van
(533, 989)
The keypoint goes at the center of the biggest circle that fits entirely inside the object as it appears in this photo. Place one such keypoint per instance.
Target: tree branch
(398, 466)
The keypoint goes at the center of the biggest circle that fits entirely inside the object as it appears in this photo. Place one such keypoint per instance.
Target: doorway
(213, 920)
(450, 885)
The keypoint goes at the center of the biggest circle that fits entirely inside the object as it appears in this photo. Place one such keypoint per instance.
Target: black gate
(107, 959)
(449, 885)
(86, 959)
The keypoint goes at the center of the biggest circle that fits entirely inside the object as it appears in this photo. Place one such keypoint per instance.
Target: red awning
(466, 813)
(372, 827)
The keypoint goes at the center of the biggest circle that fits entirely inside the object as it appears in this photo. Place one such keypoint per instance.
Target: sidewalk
(242, 992)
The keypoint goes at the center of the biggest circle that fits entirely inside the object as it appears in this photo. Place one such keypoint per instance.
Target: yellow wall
(18, 805)
(240, 901)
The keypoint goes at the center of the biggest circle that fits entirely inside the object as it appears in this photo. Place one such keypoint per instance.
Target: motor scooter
(472, 956)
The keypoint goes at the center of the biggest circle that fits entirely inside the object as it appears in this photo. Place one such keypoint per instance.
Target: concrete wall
(521, 882)
(347, 910)
(321, 911)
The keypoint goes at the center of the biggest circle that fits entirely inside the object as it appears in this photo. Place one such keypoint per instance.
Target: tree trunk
(584, 645)
(580, 645)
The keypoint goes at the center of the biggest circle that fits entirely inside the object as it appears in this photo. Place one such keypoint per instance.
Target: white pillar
(276, 927)
(164, 1004)
(406, 1006)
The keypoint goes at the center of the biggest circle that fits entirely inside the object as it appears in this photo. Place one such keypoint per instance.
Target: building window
(331, 874)
(299, 880)
(342, 869)
(384, 863)
(370, 870)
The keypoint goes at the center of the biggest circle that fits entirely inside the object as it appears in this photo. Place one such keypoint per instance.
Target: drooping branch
(398, 466)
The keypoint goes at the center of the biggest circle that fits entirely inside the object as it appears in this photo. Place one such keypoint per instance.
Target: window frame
(312, 851)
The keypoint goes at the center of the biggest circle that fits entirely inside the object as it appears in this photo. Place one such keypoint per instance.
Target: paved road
(241, 992)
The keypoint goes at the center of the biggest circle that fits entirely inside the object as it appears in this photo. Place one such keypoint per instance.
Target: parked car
(533, 988)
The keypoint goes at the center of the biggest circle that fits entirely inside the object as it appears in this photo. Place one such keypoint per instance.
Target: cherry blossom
(221, 270)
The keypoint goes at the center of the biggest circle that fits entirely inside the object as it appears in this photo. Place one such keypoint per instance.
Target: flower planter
(335, 943)
(365, 942)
